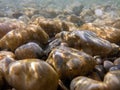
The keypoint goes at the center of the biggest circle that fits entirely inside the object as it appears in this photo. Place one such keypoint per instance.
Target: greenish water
(54, 4)
(8, 7)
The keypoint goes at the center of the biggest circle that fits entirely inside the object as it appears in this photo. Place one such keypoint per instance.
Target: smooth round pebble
(114, 68)
(107, 65)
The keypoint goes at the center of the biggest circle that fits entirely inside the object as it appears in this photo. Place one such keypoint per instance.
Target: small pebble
(100, 70)
(98, 60)
(114, 68)
(107, 65)
(29, 50)
(98, 12)
(117, 61)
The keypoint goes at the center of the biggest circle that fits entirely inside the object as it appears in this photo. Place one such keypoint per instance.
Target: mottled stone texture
(31, 74)
(16, 38)
(70, 63)
(111, 82)
(87, 41)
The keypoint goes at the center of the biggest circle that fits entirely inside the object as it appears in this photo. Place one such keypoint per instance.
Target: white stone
(98, 12)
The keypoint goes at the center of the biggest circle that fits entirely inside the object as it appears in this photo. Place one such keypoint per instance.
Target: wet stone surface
(87, 41)
(29, 50)
(69, 62)
(59, 45)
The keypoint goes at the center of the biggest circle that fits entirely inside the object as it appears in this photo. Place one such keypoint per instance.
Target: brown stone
(29, 50)
(86, 41)
(31, 74)
(10, 25)
(117, 61)
(4, 54)
(69, 62)
(106, 32)
(16, 38)
(111, 82)
(51, 26)
(107, 65)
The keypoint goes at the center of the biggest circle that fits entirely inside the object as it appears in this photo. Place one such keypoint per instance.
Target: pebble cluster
(54, 50)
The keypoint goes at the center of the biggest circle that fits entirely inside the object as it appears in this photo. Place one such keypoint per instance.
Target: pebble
(100, 70)
(117, 61)
(37, 74)
(114, 68)
(29, 50)
(63, 44)
(98, 60)
(98, 12)
(69, 62)
(107, 65)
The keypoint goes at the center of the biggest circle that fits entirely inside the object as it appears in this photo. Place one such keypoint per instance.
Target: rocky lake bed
(59, 45)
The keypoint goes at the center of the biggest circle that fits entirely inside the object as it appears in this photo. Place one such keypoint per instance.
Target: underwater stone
(111, 82)
(87, 15)
(51, 26)
(115, 67)
(117, 61)
(106, 32)
(10, 25)
(77, 9)
(98, 12)
(16, 38)
(49, 13)
(69, 62)
(100, 70)
(87, 41)
(29, 11)
(107, 65)
(24, 18)
(75, 19)
(4, 54)
(4, 63)
(98, 60)
(94, 75)
(51, 46)
(29, 50)
(32, 74)
(84, 83)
